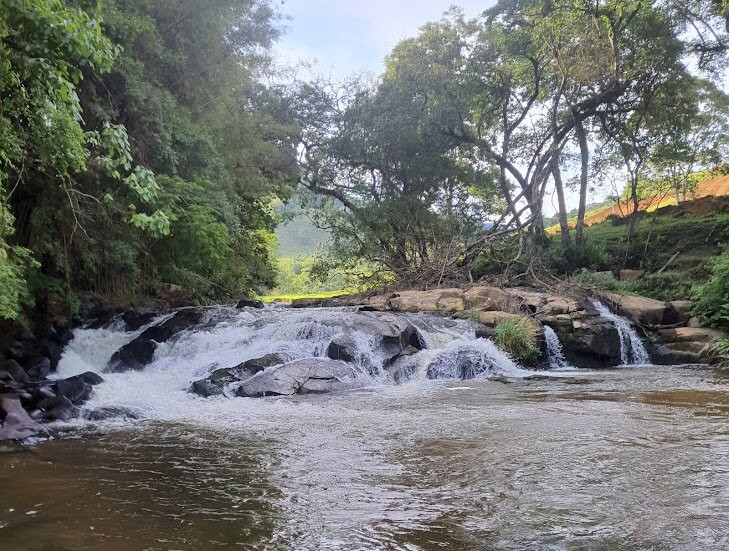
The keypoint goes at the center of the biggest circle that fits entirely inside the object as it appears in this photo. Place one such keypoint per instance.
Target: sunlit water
(631, 458)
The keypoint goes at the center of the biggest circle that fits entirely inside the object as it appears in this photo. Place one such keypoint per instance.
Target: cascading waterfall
(632, 351)
(226, 337)
(555, 355)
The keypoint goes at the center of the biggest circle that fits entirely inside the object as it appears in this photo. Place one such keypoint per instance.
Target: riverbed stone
(436, 300)
(248, 303)
(37, 367)
(139, 352)
(15, 423)
(307, 376)
(594, 342)
(646, 311)
(216, 383)
(13, 370)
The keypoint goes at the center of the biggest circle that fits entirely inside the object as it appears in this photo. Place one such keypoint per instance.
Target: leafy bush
(712, 298)
(517, 337)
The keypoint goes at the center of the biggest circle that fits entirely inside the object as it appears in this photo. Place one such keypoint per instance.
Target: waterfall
(555, 356)
(439, 348)
(632, 351)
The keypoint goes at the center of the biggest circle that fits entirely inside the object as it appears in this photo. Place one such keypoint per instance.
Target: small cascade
(632, 351)
(381, 349)
(555, 355)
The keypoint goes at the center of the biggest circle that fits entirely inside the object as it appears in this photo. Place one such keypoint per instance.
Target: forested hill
(138, 146)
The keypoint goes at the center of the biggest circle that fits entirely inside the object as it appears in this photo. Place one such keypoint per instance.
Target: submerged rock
(307, 376)
(464, 364)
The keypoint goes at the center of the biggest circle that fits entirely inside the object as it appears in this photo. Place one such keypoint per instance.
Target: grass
(291, 298)
(517, 337)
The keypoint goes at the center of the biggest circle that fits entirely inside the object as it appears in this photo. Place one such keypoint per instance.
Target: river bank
(354, 341)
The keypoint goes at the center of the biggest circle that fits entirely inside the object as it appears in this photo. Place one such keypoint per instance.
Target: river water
(629, 458)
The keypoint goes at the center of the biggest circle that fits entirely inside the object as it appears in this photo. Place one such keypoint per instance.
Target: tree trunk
(585, 157)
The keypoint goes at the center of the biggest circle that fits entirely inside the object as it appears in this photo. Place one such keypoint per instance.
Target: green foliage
(15, 265)
(517, 337)
(712, 297)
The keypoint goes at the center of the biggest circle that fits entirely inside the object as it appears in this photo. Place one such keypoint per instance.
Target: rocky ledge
(671, 334)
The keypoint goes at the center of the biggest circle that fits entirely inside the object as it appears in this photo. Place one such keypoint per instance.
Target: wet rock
(132, 356)
(342, 349)
(76, 390)
(134, 321)
(102, 414)
(52, 351)
(402, 369)
(247, 303)
(465, 364)
(308, 376)
(140, 351)
(14, 371)
(15, 423)
(216, 383)
(593, 343)
(58, 408)
(646, 311)
(37, 367)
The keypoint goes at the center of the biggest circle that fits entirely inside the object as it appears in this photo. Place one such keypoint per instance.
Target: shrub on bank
(518, 338)
(712, 298)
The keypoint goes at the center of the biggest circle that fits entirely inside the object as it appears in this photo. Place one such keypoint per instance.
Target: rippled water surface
(623, 459)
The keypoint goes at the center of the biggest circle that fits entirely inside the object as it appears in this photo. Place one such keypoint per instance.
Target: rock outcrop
(307, 376)
(136, 354)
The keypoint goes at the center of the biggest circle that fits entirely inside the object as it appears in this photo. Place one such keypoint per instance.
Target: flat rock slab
(307, 376)
(16, 423)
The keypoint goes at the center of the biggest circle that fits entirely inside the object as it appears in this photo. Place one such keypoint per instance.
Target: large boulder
(77, 388)
(12, 369)
(463, 364)
(136, 354)
(15, 423)
(37, 367)
(593, 342)
(216, 383)
(436, 300)
(307, 376)
(487, 298)
(646, 311)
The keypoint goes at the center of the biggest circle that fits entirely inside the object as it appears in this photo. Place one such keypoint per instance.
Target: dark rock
(136, 320)
(132, 356)
(105, 413)
(484, 331)
(62, 336)
(89, 377)
(216, 383)
(37, 367)
(259, 364)
(402, 369)
(308, 376)
(59, 408)
(246, 303)
(342, 348)
(15, 423)
(594, 343)
(13, 369)
(140, 351)
(464, 364)
(52, 351)
(75, 389)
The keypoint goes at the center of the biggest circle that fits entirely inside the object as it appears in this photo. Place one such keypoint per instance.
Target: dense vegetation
(138, 147)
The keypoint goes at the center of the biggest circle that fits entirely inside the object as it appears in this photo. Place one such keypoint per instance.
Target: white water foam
(555, 355)
(632, 351)
(228, 337)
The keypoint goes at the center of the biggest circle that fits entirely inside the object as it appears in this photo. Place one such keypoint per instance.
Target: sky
(347, 37)
(342, 38)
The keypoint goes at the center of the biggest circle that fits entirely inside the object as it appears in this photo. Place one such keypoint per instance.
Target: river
(628, 458)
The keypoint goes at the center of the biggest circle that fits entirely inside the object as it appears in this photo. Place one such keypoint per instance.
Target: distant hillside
(709, 187)
(299, 237)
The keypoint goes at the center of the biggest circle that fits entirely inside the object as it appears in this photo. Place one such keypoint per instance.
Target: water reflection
(628, 459)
